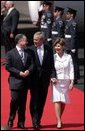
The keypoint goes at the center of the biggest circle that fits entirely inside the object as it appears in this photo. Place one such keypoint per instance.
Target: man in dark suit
(3, 10)
(9, 26)
(20, 66)
(44, 71)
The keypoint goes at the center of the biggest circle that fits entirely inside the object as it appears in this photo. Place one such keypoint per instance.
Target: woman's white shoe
(59, 125)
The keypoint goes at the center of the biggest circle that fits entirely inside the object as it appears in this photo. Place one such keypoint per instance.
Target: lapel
(18, 56)
(69, 23)
(64, 57)
(6, 17)
(45, 53)
(36, 55)
(25, 57)
(44, 56)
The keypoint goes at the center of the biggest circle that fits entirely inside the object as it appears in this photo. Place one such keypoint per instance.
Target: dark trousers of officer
(54, 37)
(76, 64)
(47, 32)
(18, 103)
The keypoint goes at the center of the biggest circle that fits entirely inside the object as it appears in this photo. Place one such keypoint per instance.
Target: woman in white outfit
(64, 82)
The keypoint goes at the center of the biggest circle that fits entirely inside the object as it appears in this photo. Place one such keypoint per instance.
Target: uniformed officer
(47, 21)
(40, 13)
(71, 39)
(58, 25)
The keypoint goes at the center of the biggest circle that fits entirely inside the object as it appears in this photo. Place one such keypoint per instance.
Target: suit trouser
(38, 98)
(18, 103)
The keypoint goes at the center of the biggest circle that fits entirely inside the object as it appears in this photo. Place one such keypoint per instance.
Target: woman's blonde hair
(60, 41)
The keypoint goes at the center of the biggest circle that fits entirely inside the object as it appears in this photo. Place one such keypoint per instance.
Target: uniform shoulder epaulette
(60, 22)
(74, 23)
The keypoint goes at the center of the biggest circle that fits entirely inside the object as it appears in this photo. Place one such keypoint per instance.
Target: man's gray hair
(40, 34)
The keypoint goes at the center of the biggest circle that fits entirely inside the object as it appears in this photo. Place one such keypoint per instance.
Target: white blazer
(64, 66)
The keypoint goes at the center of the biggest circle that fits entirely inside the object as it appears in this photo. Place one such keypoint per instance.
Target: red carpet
(73, 117)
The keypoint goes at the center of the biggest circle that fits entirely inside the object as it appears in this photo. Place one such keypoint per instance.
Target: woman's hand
(53, 80)
(71, 86)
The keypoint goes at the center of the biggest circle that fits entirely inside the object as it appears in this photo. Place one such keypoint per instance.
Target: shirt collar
(69, 20)
(57, 17)
(40, 47)
(18, 48)
(10, 10)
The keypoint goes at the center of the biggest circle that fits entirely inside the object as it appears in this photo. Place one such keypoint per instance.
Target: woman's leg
(59, 108)
(62, 108)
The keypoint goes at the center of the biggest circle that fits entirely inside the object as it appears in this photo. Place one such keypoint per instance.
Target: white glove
(73, 50)
(41, 8)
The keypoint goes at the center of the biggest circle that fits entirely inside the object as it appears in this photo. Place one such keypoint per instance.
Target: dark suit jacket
(15, 65)
(11, 22)
(44, 72)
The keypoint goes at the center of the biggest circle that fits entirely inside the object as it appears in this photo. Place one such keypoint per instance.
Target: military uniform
(58, 29)
(46, 24)
(71, 34)
(71, 42)
(58, 26)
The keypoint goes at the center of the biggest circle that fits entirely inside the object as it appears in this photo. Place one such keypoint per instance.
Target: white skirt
(60, 91)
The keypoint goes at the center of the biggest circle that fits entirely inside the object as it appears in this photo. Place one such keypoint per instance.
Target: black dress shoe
(10, 124)
(40, 126)
(36, 126)
(21, 125)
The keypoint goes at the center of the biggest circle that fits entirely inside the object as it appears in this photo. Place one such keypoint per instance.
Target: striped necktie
(22, 55)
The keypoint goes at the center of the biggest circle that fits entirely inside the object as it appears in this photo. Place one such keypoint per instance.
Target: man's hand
(11, 35)
(24, 74)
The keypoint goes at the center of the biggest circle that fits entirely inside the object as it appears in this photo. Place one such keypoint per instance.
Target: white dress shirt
(21, 53)
(9, 11)
(40, 51)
